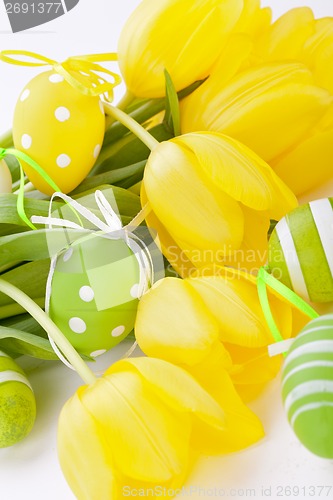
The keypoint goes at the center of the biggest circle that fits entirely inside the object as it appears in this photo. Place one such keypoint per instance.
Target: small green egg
(17, 403)
(307, 386)
(94, 294)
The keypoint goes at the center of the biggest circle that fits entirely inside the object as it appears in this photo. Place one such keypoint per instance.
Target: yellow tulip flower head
(212, 199)
(213, 324)
(274, 94)
(174, 324)
(136, 429)
(182, 36)
(297, 35)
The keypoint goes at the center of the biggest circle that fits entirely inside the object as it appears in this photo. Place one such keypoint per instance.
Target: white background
(30, 469)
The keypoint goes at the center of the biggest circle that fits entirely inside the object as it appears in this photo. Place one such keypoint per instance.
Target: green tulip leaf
(172, 113)
(116, 176)
(20, 342)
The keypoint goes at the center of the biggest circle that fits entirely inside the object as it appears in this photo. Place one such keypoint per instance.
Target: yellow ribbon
(81, 72)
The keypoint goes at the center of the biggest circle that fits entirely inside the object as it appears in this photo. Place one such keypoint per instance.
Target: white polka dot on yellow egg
(119, 330)
(26, 141)
(77, 325)
(63, 161)
(55, 78)
(62, 114)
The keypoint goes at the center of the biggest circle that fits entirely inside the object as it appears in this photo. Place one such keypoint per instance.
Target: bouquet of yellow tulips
(161, 229)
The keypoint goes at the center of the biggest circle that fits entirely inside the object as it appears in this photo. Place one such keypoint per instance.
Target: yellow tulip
(318, 52)
(271, 108)
(214, 324)
(212, 199)
(297, 35)
(138, 428)
(284, 40)
(232, 299)
(273, 91)
(189, 332)
(181, 36)
(174, 324)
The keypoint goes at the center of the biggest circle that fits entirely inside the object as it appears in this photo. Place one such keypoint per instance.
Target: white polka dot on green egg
(94, 294)
(301, 250)
(17, 403)
(307, 386)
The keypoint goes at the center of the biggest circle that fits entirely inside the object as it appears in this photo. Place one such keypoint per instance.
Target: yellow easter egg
(5, 178)
(60, 128)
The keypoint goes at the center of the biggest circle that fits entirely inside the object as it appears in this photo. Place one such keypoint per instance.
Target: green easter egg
(307, 386)
(17, 403)
(301, 250)
(94, 294)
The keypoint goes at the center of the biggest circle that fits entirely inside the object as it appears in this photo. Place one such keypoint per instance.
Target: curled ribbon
(81, 72)
(111, 227)
(264, 280)
(20, 156)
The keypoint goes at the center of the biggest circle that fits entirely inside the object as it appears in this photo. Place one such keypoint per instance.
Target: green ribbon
(264, 280)
(20, 197)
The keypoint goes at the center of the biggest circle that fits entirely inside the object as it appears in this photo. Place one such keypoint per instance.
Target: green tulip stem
(54, 332)
(132, 125)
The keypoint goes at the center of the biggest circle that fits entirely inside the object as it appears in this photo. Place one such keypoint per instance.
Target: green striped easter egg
(307, 386)
(301, 250)
(17, 403)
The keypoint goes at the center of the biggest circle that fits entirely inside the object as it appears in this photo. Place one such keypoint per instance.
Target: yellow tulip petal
(242, 426)
(253, 366)
(239, 172)
(287, 36)
(253, 252)
(79, 437)
(234, 56)
(137, 424)
(196, 214)
(309, 164)
(178, 389)
(269, 108)
(299, 320)
(253, 20)
(182, 36)
(177, 258)
(250, 392)
(234, 304)
(318, 53)
(174, 324)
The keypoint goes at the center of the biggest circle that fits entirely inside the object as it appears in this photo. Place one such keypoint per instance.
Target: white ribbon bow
(113, 228)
